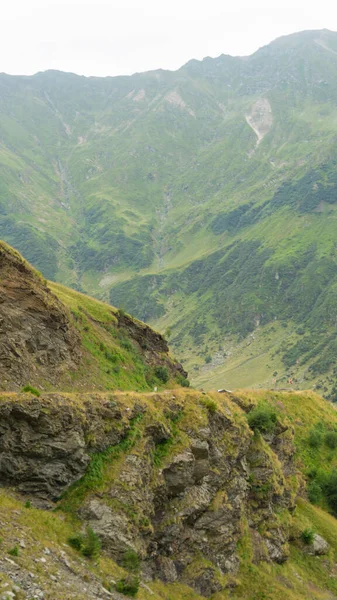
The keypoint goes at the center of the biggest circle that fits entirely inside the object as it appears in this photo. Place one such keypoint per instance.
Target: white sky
(116, 37)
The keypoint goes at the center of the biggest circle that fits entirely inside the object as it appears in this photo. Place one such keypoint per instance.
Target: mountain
(203, 201)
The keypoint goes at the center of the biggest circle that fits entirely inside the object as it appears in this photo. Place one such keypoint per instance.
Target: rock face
(37, 340)
(43, 343)
(150, 342)
(45, 443)
(319, 546)
(184, 479)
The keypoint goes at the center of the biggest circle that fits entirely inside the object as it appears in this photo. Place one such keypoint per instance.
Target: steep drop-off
(37, 338)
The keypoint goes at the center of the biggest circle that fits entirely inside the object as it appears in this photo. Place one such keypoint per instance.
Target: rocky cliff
(37, 338)
(176, 479)
(75, 342)
(188, 496)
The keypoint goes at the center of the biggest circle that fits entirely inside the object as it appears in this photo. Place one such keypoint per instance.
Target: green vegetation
(162, 203)
(329, 487)
(115, 353)
(31, 390)
(315, 438)
(162, 373)
(14, 551)
(262, 418)
(331, 439)
(315, 424)
(162, 450)
(183, 381)
(314, 492)
(93, 479)
(210, 404)
(128, 586)
(307, 536)
(322, 483)
(88, 544)
(131, 561)
(323, 433)
(76, 541)
(322, 488)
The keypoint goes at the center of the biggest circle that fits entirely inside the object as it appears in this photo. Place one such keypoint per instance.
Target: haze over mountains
(201, 200)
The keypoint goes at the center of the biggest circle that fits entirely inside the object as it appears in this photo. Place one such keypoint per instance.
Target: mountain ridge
(276, 42)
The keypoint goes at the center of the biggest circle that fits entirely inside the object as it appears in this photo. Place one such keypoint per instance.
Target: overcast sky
(110, 37)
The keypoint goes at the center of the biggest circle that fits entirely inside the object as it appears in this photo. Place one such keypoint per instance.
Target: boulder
(319, 546)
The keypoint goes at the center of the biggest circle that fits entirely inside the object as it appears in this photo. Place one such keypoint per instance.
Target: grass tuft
(307, 536)
(32, 390)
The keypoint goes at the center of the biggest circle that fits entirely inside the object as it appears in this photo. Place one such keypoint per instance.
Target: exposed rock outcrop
(183, 477)
(45, 442)
(37, 340)
(151, 342)
(319, 546)
(260, 119)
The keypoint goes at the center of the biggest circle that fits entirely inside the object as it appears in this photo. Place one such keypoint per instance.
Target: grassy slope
(112, 351)
(112, 358)
(301, 577)
(135, 189)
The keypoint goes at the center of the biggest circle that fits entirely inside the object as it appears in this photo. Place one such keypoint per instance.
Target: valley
(202, 201)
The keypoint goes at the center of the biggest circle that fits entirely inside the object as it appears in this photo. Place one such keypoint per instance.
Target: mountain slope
(74, 342)
(202, 201)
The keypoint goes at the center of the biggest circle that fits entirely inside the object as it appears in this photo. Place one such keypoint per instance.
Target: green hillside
(202, 201)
